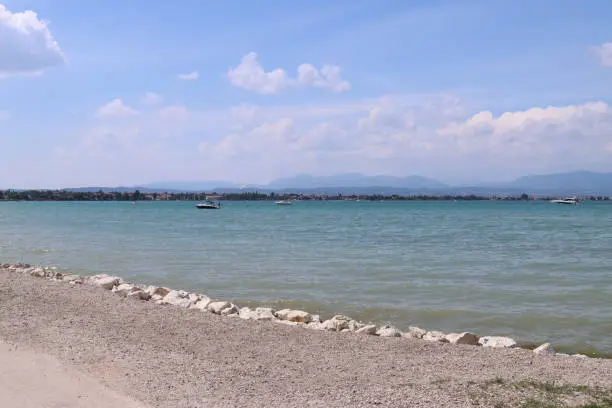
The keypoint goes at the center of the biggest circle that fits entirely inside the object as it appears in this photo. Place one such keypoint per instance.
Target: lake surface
(534, 271)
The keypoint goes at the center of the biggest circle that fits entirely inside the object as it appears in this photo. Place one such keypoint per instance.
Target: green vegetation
(531, 393)
(74, 195)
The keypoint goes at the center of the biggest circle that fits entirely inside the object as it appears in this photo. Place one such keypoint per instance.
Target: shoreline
(337, 323)
(164, 355)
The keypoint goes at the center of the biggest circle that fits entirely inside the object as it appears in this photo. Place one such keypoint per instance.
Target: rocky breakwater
(202, 303)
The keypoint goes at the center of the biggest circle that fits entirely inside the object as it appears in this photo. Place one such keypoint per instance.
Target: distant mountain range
(579, 183)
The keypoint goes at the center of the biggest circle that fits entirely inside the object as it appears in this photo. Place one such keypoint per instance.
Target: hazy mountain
(579, 183)
(576, 182)
(354, 180)
(207, 185)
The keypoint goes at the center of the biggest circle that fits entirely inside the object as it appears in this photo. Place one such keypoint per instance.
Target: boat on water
(567, 200)
(209, 205)
(284, 202)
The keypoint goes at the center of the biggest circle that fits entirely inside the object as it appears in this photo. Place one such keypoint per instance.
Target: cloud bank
(251, 76)
(26, 44)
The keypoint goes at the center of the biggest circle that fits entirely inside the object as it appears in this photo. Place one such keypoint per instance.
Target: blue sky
(129, 92)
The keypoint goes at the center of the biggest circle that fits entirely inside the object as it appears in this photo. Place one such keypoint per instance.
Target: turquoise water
(530, 270)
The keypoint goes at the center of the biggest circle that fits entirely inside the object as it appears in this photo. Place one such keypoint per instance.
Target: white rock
(580, 356)
(177, 298)
(297, 316)
(123, 289)
(72, 278)
(497, 342)
(37, 272)
(435, 336)
(354, 325)
(218, 306)
(545, 349)
(107, 283)
(462, 338)
(369, 329)
(415, 332)
(157, 298)
(156, 290)
(229, 311)
(201, 304)
(261, 313)
(194, 297)
(388, 331)
(139, 294)
(337, 323)
(316, 319)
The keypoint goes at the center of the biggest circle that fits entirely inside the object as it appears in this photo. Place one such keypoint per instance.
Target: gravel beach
(164, 356)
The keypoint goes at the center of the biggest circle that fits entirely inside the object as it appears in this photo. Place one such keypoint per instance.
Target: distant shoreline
(68, 195)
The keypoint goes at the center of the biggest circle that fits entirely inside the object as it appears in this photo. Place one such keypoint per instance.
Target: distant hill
(575, 183)
(580, 182)
(190, 185)
(354, 180)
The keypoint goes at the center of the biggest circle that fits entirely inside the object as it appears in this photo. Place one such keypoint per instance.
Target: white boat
(208, 205)
(567, 200)
(284, 202)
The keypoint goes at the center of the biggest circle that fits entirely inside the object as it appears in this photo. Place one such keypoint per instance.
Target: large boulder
(123, 289)
(104, 281)
(261, 313)
(202, 303)
(545, 349)
(497, 342)
(159, 291)
(388, 331)
(435, 336)
(37, 272)
(222, 307)
(138, 293)
(232, 310)
(462, 338)
(178, 298)
(296, 316)
(74, 279)
(337, 323)
(415, 332)
(369, 329)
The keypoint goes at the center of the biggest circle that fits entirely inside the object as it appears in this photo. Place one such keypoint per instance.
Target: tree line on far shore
(70, 195)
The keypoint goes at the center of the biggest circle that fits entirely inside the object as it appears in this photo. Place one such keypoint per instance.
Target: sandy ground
(35, 380)
(168, 357)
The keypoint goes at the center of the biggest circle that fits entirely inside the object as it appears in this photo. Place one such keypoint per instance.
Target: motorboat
(208, 205)
(284, 202)
(567, 200)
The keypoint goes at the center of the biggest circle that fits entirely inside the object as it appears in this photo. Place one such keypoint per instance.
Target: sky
(121, 93)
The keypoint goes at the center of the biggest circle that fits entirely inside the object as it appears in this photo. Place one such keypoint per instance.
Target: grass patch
(540, 394)
(552, 388)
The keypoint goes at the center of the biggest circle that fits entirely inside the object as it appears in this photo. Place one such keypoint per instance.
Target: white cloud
(26, 44)
(250, 75)
(192, 76)
(116, 107)
(604, 53)
(393, 137)
(151, 98)
(327, 77)
(4, 116)
(429, 135)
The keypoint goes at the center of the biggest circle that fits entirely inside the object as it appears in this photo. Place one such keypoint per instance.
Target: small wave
(39, 251)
